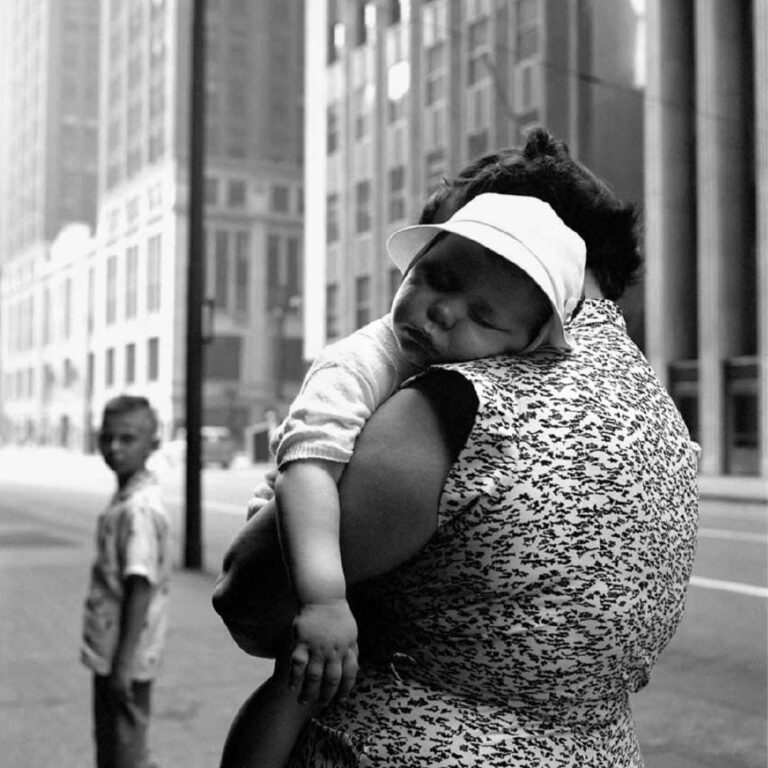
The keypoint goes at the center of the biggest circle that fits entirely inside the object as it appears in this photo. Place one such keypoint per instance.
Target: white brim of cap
(407, 243)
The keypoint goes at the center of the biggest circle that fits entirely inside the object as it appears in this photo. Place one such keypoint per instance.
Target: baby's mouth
(415, 338)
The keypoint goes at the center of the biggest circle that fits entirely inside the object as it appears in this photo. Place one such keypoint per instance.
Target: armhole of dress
(455, 401)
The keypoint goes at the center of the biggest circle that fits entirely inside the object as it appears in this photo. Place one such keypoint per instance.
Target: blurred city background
(326, 124)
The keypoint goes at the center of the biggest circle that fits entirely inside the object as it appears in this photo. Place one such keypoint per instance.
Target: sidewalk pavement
(45, 692)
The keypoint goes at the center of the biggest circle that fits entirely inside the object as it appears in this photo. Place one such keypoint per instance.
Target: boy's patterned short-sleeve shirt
(557, 574)
(132, 539)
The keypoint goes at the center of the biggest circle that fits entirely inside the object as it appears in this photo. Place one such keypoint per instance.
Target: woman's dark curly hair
(543, 168)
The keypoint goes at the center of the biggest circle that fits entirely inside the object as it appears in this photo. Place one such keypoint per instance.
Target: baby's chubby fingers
(313, 680)
(331, 679)
(298, 666)
(349, 669)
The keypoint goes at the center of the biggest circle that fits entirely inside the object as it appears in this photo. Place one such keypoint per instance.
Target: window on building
(528, 22)
(332, 217)
(154, 272)
(394, 13)
(435, 74)
(335, 32)
(211, 191)
(395, 277)
(362, 301)
(242, 270)
(477, 144)
(236, 193)
(279, 199)
(363, 98)
(292, 268)
(153, 359)
(435, 169)
(273, 272)
(132, 212)
(46, 317)
(130, 363)
(91, 296)
(66, 301)
(434, 25)
(478, 50)
(90, 368)
(361, 29)
(331, 311)
(396, 179)
(111, 298)
(69, 374)
(221, 282)
(332, 132)
(478, 101)
(362, 206)
(109, 367)
(131, 281)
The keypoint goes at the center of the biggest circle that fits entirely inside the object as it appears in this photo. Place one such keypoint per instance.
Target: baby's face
(461, 302)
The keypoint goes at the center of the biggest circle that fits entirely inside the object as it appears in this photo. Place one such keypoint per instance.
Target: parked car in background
(217, 446)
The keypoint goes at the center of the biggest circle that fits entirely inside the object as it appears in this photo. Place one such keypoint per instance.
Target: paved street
(704, 708)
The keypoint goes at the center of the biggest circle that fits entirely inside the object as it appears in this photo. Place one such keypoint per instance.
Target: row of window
(228, 257)
(233, 193)
(20, 384)
(129, 368)
(396, 205)
(152, 279)
(363, 306)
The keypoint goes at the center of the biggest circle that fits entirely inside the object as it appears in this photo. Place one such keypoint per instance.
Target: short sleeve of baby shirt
(347, 382)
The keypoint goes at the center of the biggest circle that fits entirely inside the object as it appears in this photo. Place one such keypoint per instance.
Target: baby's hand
(324, 658)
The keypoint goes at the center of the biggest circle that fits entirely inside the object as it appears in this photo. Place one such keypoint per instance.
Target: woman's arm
(389, 497)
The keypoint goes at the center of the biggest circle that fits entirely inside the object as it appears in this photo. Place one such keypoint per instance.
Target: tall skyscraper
(403, 92)
(123, 294)
(253, 127)
(48, 128)
(49, 68)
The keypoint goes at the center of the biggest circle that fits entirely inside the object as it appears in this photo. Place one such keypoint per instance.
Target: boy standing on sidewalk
(126, 608)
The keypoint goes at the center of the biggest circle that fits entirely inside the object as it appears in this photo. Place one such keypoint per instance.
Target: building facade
(133, 272)
(707, 223)
(49, 69)
(402, 93)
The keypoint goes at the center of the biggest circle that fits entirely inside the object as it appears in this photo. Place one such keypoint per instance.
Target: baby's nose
(444, 312)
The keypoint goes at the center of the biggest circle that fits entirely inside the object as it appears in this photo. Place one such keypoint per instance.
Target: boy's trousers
(120, 727)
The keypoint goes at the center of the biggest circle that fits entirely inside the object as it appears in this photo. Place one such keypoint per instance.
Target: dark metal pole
(193, 548)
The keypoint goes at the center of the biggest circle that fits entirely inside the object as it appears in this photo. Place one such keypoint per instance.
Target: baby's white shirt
(346, 383)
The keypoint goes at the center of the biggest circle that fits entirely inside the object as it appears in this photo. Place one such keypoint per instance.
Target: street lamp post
(193, 549)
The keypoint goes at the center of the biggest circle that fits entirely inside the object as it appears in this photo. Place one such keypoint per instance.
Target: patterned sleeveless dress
(557, 574)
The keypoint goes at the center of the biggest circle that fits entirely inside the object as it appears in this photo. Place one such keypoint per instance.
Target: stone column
(724, 220)
(669, 192)
(760, 26)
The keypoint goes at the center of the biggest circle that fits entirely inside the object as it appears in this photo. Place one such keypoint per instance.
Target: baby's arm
(137, 592)
(324, 659)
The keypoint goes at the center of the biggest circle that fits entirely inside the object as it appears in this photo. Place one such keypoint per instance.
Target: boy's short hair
(122, 404)
(543, 168)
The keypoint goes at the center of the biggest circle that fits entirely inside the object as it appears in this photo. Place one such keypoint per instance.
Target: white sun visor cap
(526, 232)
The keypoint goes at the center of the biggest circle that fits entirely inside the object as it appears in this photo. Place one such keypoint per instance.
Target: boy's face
(461, 302)
(126, 440)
